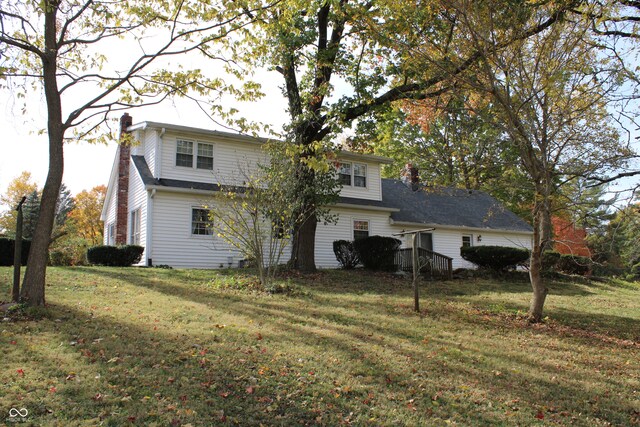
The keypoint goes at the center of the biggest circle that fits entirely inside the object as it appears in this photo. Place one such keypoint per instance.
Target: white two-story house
(158, 189)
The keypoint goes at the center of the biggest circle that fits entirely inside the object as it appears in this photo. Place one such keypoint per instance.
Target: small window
(134, 230)
(360, 229)
(345, 173)
(184, 154)
(467, 240)
(111, 234)
(201, 224)
(359, 175)
(205, 156)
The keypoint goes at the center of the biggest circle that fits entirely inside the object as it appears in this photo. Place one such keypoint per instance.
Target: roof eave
(366, 207)
(459, 227)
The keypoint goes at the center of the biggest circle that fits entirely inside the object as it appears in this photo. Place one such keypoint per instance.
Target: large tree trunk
(34, 279)
(304, 243)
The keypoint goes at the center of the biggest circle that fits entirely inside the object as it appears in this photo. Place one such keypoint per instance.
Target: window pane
(205, 163)
(466, 241)
(205, 150)
(360, 234)
(200, 222)
(359, 181)
(359, 175)
(345, 173)
(185, 147)
(205, 156)
(134, 236)
(184, 153)
(361, 225)
(360, 229)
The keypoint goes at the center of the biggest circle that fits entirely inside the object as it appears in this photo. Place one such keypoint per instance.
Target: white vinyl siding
(138, 201)
(110, 218)
(231, 161)
(326, 234)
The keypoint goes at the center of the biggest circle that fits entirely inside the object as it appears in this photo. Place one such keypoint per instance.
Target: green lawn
(184, 347)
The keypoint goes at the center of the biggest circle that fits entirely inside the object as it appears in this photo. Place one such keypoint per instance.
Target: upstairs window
(201, 224)
(184, 154)
(185, 151)
(205, 156)
(353, 174)
(360, 229)
(359, 175)
(467, 240)
(344, 171)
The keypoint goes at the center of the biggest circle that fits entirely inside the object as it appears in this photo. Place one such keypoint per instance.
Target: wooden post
(416, 271)
(17, 253)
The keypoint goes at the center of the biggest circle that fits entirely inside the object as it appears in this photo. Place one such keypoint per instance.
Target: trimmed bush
(7, 246)
(498, 258)
(377, 252)
(346, 254)
(115, 256)
(550, 260)
(570, 264)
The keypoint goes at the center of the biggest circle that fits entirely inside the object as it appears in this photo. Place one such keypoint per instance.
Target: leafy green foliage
(115, 256)
(7, 248)
(550, 260)
(346, 254)
(499, 258)
(377, 252)
(570, 264)
(259, 216)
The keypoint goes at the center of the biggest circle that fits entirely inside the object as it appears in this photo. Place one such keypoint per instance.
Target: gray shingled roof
(431, 206)
(148, 179)
(449, 207)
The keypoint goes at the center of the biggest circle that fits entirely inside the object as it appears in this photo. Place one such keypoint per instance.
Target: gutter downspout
(149, 244)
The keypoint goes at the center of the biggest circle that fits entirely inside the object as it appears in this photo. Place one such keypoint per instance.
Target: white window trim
(470, 236)
(353, 174)
(190, 231)
(111, 233)
(353, 226)
(194, 154)
(135, 231)
(194, 147)
(366, 175)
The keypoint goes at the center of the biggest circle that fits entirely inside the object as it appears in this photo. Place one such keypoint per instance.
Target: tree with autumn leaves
(368, 50)
(77, 225)
(91, 59)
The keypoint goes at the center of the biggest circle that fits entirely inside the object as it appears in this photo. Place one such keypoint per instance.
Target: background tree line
(77, 223)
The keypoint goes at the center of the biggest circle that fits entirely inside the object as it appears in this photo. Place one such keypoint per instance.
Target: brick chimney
(410, 177)
(122, 198)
